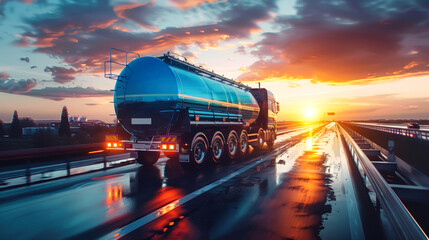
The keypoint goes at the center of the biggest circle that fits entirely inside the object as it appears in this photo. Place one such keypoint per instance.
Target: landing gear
(147, 158)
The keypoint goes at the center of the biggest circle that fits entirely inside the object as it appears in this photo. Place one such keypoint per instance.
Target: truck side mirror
(278, 106)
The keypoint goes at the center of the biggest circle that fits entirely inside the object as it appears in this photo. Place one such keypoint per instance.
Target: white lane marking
(118, 233)
(355, 222)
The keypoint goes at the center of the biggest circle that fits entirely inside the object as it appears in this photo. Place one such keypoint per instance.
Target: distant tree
(64, 124)
(26, 122)
(2, 132)
(15, 126)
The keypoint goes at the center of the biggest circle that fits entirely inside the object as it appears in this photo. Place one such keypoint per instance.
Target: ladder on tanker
(110, 64)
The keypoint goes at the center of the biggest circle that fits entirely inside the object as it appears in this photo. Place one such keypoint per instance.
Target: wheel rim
(232, 145)
(243, 142)
(217, 149)
(199, 152)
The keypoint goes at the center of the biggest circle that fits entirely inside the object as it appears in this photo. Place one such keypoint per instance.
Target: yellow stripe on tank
(223, 103)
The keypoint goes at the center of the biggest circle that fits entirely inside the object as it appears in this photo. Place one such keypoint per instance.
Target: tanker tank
(151, 92)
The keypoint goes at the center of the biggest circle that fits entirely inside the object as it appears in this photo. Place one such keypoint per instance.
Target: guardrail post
(68, 167)
(28, 175)
(391, 147)
(105, 159)
(28, 172)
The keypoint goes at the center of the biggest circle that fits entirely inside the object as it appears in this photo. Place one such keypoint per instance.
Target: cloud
(25, 59)
(345, 42)
(61, 74)
(187, 4)
(378, 106)
(83, 42)
(4, 75)
(142, 14)
(16, 86)
(61, 93)
(92, 104)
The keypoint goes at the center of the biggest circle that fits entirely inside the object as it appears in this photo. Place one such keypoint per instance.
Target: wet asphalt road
(296, 191)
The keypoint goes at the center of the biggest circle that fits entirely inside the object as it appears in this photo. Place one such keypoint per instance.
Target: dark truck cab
(267, 119)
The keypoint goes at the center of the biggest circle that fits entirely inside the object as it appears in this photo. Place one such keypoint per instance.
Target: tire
(232, 145)
(199, 150)
(243, 143)
(217, 148)
(261, 139)
(270, 141)
(147, 158)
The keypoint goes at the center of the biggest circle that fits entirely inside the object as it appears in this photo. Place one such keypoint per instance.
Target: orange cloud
(187, 4)
(318, 46)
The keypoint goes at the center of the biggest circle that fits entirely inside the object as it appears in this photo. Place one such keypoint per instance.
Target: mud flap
(183, 157)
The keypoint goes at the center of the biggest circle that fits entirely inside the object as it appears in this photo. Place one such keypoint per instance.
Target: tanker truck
(187, 112)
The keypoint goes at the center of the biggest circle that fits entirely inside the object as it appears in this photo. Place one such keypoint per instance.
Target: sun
(310, 114)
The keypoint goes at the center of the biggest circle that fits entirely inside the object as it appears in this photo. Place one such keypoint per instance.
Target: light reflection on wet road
(295, 194)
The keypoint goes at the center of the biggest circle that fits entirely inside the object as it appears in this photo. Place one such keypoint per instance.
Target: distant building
(73, 118)
(76, 123)
(36, 130)
(78, 119)
(47, 123)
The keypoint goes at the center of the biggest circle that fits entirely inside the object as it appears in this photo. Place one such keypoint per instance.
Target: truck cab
(267, 119)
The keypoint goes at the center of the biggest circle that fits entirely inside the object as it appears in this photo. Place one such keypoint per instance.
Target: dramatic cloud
(142, 14)
(346, 42)
(83, 42)
(186, 4)
(61, 74)
(4, 75)
(25, 59)
(16, 86)
(61, 93)
(379, 106)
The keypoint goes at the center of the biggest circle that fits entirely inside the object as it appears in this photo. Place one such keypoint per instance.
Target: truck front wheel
(271, 139)
(147, 158)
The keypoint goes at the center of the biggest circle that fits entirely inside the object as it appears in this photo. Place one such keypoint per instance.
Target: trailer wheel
(199, 150)
(217, 147)
(147, 158)
(232, 144)
(243, 143)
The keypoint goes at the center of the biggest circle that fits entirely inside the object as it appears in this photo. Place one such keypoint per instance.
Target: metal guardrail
(414, 133)
(8, 156)
(29, 171)
(30, 160)
(401, 220)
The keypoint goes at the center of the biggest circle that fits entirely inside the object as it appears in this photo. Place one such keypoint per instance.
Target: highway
(305, 188)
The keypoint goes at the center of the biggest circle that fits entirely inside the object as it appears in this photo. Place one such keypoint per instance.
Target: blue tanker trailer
(169, 105)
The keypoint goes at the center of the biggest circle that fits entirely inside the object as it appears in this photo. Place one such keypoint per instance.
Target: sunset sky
(359, 59)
